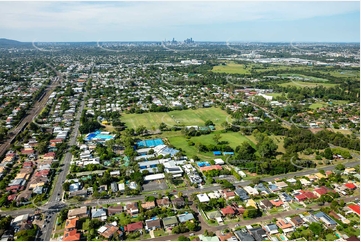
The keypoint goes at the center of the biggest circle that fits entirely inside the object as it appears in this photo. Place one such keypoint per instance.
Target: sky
(269, 21)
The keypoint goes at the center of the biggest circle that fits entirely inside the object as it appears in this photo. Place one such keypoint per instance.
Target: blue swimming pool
(282, 237)
(203, 163)
(98, 135)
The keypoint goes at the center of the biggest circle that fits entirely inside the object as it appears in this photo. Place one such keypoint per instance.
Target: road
(186, 192)
(262, 219)
(58, 189)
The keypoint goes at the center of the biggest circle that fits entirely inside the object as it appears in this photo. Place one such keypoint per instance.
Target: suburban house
(321, 191)
(243, 236)
(281, 184)
(170, 222)
(153, 224)
(78, 212)
(71, 235)
(164, 202)
(178, 202)
(266, 204)
(228, 211)
(276, 202)
(271, 229)
(226, 237)
(258, 233)
(133, 227)
(284, 225)
(251, 203)
(241, 193)
(108, 230)
(71, 223)
(132, 208)
(229, 195)
(115, 209)
(251, 191)
(148, 205)
(297, 221)
(185, 217)
(99, 213)
(327, 220)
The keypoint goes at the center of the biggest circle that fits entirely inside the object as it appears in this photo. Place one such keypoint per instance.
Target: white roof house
(154, 177)
(304, 182)
(218, 161)
(251, 190)
(203, 198)
(121, 187)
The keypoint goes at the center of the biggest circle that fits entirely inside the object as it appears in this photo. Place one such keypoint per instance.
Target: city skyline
(203, 21)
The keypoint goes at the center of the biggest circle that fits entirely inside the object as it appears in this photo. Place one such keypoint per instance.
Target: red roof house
(134, 227)
(12, 197)
(350, 186)
(355, 208)
(228, 211)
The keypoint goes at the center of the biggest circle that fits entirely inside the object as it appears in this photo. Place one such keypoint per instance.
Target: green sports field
(234, 139)
(182, 117)
(307, 84)
(310, 78)
(231, 68)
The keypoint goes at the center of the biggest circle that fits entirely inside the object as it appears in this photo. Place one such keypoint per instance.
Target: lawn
(86, 225)
(180, 117)
(307, 84)
(278, 139)
(321, 104)
(310, 78)
(159, 233)
(331, 237)
(275, 94)
(317, 105)
(232, 68)
(233, 139)
(276, 210)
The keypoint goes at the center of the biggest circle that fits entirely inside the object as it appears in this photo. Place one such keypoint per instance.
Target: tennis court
(149, 143)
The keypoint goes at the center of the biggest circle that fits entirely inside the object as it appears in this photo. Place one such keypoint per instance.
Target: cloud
(105, 17)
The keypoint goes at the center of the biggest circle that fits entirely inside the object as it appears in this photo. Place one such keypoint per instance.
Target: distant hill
(10, 43)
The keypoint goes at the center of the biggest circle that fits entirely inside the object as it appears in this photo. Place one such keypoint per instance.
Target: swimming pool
(282, 237)
(98, 135)
(203, 163)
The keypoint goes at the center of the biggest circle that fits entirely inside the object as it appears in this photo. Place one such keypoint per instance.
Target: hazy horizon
(322, 22)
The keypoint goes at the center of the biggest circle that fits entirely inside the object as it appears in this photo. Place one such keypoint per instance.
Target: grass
(306, 84)
(331, 237)
(184, 117)
(233, 139)
(85, 225)
(276, 210)
(321, 104)
(233, 68)
(317, 105)
(310, 78)
(278, 139)
(275, 94)
(160, 233)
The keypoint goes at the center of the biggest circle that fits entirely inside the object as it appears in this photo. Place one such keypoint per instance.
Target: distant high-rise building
(189, 41)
